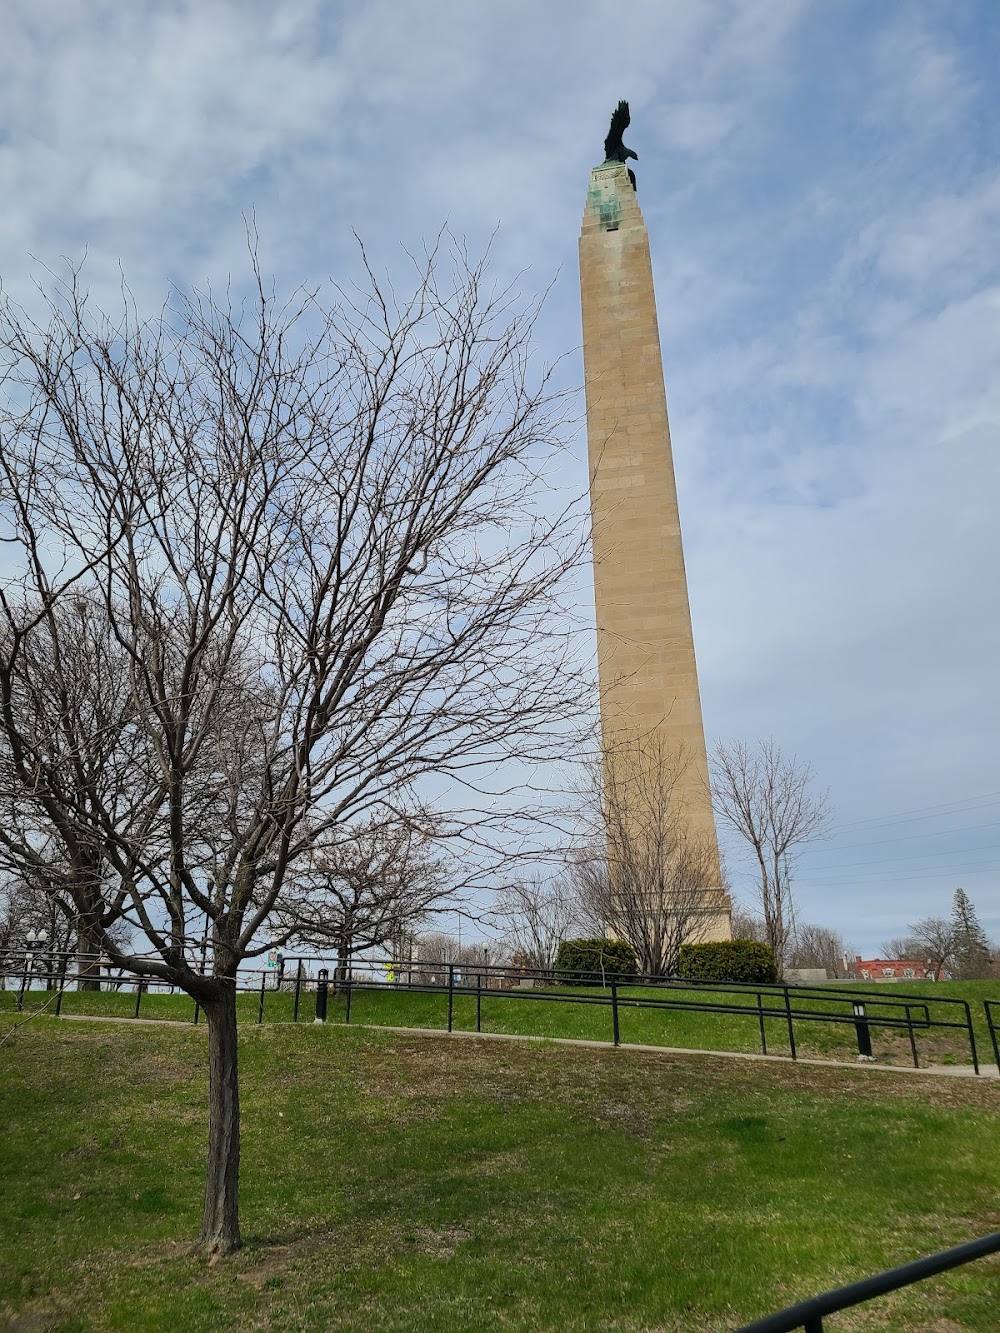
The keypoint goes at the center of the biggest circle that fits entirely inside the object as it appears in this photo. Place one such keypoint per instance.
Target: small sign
(274, 959)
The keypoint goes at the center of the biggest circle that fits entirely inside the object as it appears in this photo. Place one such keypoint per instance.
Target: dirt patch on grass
(37, 1321)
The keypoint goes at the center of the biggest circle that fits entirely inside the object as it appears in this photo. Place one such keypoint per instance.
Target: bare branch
(766, 799)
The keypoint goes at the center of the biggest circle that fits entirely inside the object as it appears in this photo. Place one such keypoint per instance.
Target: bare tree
(535, 915)
(370, 886)
(818, 946)
(936, 939)
(747, 926)
(647, 877)
(311, 533)
(437, 946)
(26, 912)
(18, 914)
(81, 728)
(765, 798)
(903, 946)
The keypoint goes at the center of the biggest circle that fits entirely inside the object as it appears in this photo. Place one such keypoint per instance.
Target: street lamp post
(35, 941)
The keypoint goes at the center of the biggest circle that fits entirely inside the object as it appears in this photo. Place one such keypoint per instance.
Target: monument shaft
(645, 647)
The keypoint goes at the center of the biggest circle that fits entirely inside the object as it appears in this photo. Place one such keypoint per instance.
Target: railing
(994, 1027)
(788, 1006)
(809, 1315)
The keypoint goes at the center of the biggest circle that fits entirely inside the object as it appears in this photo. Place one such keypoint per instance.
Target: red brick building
(892, 969)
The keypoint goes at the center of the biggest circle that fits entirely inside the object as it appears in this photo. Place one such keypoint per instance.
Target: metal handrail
(783, 997)
(903, 1012)
(993, 1024)
(809, 1314)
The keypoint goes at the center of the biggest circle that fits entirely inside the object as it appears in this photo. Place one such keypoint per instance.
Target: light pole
(36, 941)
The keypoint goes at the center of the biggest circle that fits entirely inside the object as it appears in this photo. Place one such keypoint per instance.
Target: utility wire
(903, 876)
(907, 816)
(922, 857)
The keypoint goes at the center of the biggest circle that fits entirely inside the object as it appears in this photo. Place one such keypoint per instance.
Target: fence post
(913, 1040)
(321, 987)
(987, 1005)
(788, 1017)
(140, 986)
(760, 1018)
(350, 992)
(614, 1009)
(479, 1001)
(260, 1006)
(62, 983)
(197, 1011)
(451, 995)
(864, 1032)
(972, 1035)
(298, 989)
(24, 984)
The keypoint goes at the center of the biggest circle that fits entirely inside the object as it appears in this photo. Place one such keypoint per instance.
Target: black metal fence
(992, 1008)
(790, 1007)
(909, 1014)
(809, 1315)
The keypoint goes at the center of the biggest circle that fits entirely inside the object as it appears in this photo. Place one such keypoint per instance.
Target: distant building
(892, 969)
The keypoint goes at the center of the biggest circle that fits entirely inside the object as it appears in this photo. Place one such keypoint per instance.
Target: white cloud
(919, 78)
(822, 215)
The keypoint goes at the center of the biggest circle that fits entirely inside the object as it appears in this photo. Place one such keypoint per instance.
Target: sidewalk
(947, 1071)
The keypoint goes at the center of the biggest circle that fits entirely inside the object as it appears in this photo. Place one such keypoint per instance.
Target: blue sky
(821, 186)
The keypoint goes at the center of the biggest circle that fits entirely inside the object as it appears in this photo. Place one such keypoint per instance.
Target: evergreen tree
(972, 948)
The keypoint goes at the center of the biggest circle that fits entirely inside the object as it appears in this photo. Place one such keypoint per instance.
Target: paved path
(947, 1071)
(985, 1071)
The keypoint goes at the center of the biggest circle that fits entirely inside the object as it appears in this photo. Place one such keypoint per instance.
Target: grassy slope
(517, 1013)
(412, 1184)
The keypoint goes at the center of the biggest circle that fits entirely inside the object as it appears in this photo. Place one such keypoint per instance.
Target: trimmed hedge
(729, 960)
(576, 958)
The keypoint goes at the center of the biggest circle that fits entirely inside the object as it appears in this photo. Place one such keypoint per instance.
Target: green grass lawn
(408, 1183)
(530, 1014)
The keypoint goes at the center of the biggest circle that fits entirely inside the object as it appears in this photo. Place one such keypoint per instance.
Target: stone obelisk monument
(645, 648)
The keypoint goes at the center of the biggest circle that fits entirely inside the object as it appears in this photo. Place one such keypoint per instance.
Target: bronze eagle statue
(614, 149)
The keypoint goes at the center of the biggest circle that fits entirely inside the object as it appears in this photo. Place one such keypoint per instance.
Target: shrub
(578, 958)
(729, 960)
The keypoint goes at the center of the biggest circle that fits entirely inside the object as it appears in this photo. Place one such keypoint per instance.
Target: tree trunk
(343, 963)
(220, 1225)
(87, 951)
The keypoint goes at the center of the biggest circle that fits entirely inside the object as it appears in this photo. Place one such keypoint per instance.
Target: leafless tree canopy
(956, 945)
(747, 926)
(267, 566)
(370, 885)
(73, 693)
(534, 916)
(646, 876)
(903, 946)
(817, 946)
(766, 798)
(935, 939)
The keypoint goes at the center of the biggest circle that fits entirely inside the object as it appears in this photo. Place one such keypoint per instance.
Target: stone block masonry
(645, 648)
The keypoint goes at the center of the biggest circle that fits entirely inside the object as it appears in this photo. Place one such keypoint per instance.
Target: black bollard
(298, 991)
(321, 988)
(864, 1032)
